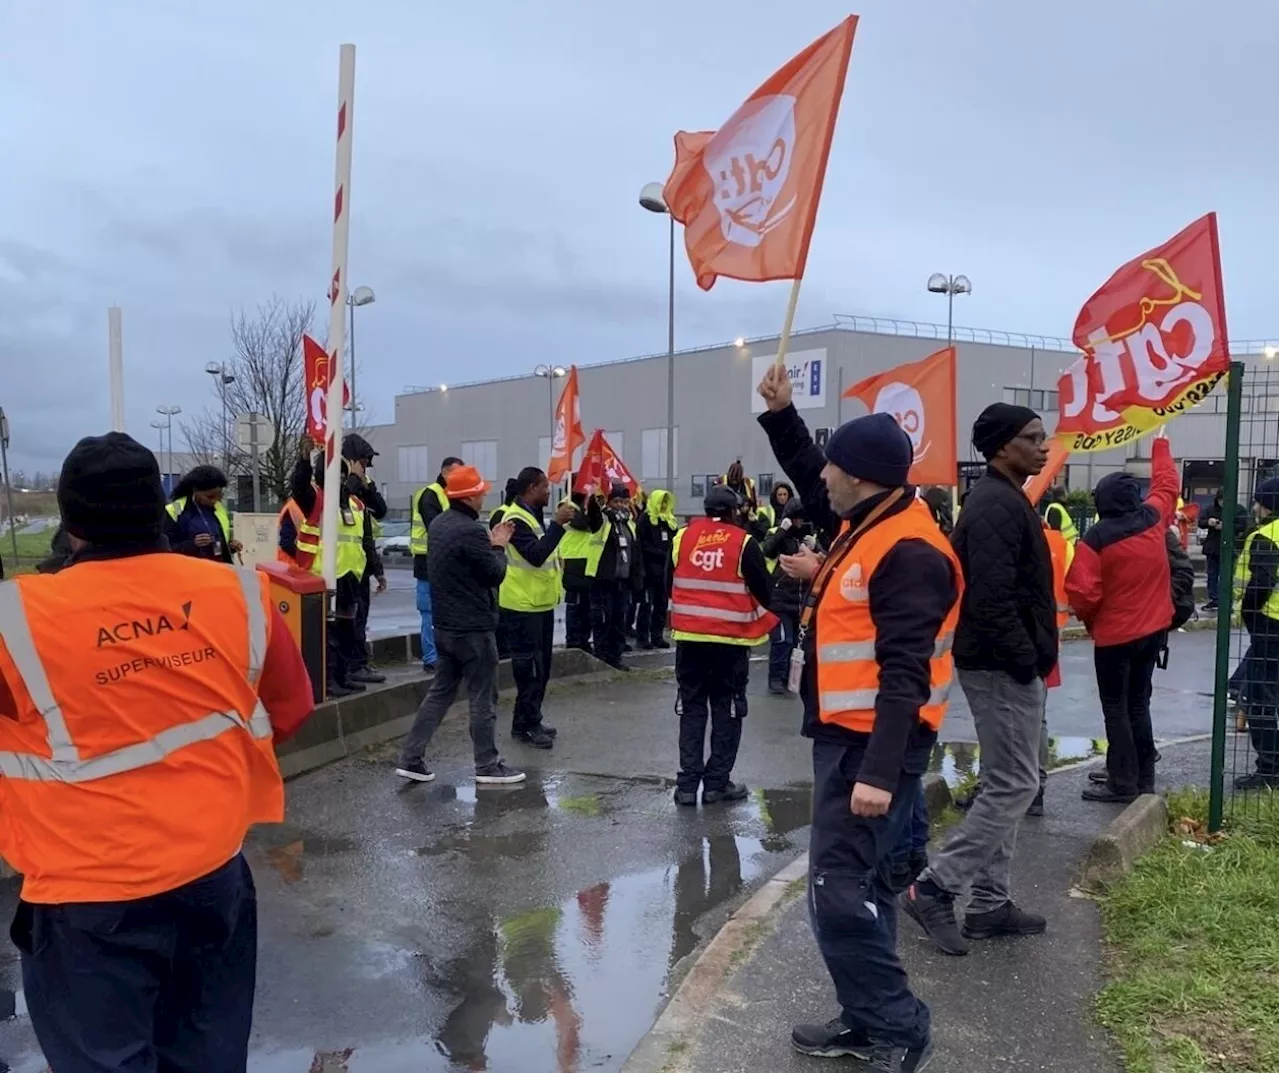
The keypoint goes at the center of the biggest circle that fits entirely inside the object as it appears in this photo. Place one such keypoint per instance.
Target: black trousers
(651, 618)
(163, 983)
(344, 653)
(577, 618)
(711, 680)
(1124, 687)
(528, 637)
(853, 909)
(1259, 697)
(609, 618)
(360, 634)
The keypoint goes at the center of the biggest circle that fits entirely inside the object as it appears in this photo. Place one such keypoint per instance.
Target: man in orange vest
(873, 666)
(140, 693)
(720, 589)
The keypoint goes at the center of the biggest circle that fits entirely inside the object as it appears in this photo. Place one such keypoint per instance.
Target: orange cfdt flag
(1036, 486)
(921, 395)
(568, 430)
(748, 193)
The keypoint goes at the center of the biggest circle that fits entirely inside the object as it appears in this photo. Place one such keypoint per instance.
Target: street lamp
(552, 373)
(167, 413)
(218, 370)
(950, 286)
(1270, 353)
(361, 296)
(652, 199)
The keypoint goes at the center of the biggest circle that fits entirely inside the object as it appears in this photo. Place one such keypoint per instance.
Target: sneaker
(886, 1058)
(644, 646)
(1099, 776)
(547, 728)
(778, 689)
(1256, 781)
(835, 1039)
(1106, 793)
(366, 674)
(416, 771)
(734, 791)
(499, 775)
(661, 642)
(936, 914)
(685, 797)
(538, 738)
(347, 689)
(1036, 808)
(617, 664)
(1007, 920)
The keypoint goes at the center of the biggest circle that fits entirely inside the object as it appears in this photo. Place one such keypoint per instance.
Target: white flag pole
(115, 345)
(785, 341)
(337, 320)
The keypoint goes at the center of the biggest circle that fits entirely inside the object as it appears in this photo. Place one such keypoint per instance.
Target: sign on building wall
(807, 370)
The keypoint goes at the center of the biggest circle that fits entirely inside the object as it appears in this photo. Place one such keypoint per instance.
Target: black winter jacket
(1008, 617)
(788, 592)
(465, 572)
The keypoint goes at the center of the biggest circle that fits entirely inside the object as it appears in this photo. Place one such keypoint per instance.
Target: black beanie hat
(998, 424)
(619, 491)
(109, 492)
(1268, 495)
(873, 448)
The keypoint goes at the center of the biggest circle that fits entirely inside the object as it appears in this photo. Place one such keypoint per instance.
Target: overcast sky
(177, 160)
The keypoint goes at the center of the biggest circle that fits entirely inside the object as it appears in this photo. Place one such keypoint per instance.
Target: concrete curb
(1126, 838)
(660, 1048)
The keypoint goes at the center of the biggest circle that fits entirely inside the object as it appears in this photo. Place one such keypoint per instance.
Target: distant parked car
(394, 540)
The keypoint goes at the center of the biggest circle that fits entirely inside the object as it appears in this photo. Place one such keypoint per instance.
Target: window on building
(764, 486)
(698, 485)
(653, 453)
(411, 464)
(483, 454)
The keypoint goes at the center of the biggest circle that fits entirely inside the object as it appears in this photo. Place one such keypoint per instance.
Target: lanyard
(838, 550)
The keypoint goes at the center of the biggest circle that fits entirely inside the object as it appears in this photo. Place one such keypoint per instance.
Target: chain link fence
(1244, 756)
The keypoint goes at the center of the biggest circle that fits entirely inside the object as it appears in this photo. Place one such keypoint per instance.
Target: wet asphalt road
(433, 928)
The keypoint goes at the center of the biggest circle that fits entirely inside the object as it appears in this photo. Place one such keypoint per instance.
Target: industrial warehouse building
(504, 424)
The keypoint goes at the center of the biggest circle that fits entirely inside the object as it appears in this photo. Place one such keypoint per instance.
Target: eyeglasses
(1036, 439)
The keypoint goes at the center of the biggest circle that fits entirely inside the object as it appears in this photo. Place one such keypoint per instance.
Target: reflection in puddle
(958, 762)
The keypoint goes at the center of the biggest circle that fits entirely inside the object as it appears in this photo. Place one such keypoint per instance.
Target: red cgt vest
(709, 599)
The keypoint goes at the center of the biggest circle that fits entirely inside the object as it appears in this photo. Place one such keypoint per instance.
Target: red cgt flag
(601, 468)
(748, 193)
(315, 383)
(921, 395)
(568, 430)
(1154, 338)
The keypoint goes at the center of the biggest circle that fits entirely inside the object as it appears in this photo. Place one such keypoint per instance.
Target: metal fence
(1244, 755)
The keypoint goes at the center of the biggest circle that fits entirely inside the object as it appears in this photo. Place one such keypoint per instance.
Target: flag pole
(115, 351)
(785, 341)
(337, 320)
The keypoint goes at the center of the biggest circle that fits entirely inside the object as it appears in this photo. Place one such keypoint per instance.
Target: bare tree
(267, 366)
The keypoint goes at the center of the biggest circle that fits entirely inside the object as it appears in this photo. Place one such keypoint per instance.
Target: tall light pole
(950, 286)
(8, 490)
(218, 371)
(652, 199)
(167, 413)
(552, 373)
(159, 454)
(361, 296)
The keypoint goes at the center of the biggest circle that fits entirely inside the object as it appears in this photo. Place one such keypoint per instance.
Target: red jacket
(1118, 584)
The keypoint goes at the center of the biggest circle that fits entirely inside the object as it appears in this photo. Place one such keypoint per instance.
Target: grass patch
(1192, 943)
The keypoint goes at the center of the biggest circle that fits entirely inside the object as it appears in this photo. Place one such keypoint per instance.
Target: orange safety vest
(293, 512)
(1060, 557)
(709, 598)
(141, 753)
(848, 674)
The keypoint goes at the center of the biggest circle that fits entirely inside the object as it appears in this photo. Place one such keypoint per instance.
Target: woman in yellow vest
(580, 551)
(197, 523)
(1257, 603)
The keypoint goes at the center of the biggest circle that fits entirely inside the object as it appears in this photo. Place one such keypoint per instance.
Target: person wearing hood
(768, 516)
(1256, 599)
(197, 523)
(655, 530)
(1119, 588)
(792, 533)
(580, 551)
(619, 572)
(1006, 644)
(873, 667)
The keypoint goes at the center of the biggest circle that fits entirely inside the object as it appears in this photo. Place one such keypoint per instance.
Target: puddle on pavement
(958, 761)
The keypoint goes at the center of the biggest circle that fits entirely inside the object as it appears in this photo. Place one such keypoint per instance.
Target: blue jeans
(915, 833)
(423, 600)
(781, 641)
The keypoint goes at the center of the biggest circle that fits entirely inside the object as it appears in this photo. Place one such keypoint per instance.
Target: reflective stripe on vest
(848, 674)
(417, 528)
(1269, 531)
(351, 557)
(526, 587)
(710, 600)
(176, 507)
(66, 763)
